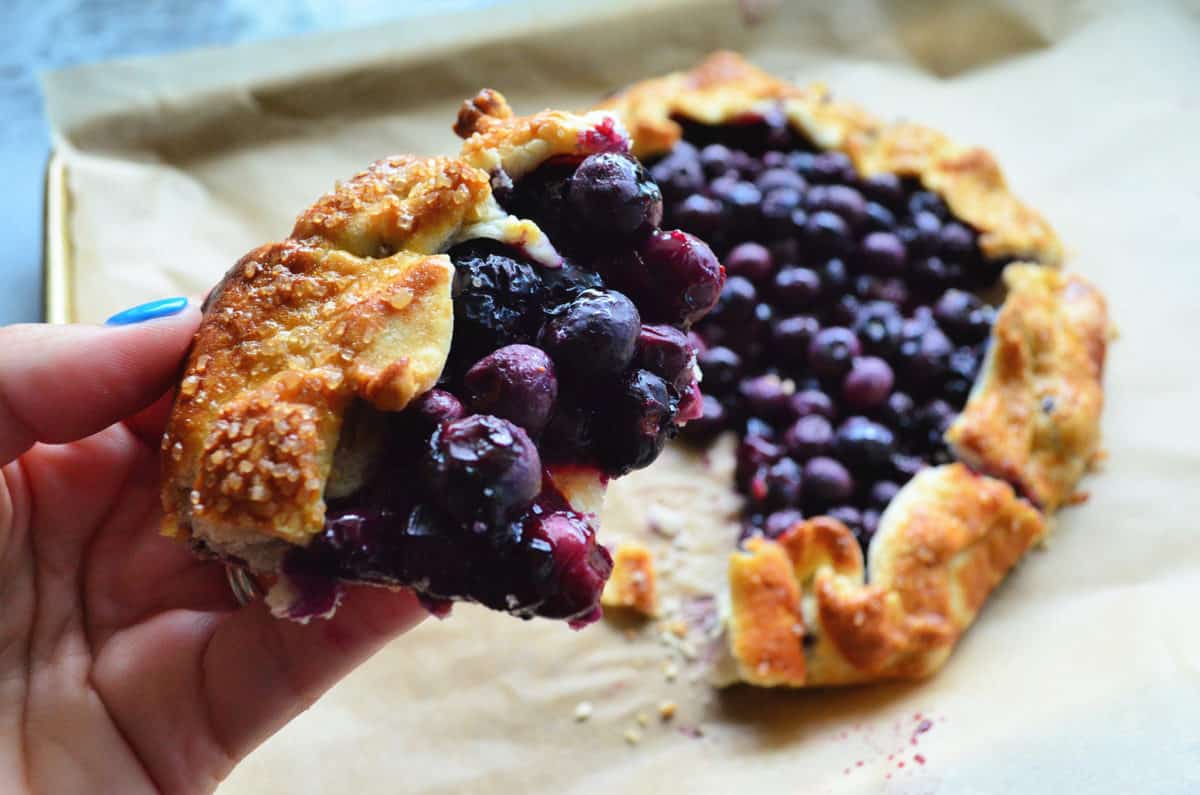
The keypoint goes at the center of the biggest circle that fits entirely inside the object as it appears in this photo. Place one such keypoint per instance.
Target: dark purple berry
(834, 277)
(720, 367)
(749, 260)
(594, 335)
(882, 492)
(810, 436)
(827, 233)
(927, 201)
(637, 422)
(864, 444)
(736, 304)
(612, 199)
(832, 351)
(964, 317)
(868, 383)
(516, 383)
(483, 468)
(712, 420)
(796, 288)
(679, 173)
(882, 253)
(812, 401)
(764, 396)
(841, 199)
(790, 337)
(847, 515)
(668, 353)
(686, 275)
(435, 407)
(783, 482)
(826, 482)
(496, 299)
(780, 522)
(698, 214)
(716, 159)
(878, 326)
(878, 218)
(956, 241)
(884, 188)
(831, 167)
(774, 178)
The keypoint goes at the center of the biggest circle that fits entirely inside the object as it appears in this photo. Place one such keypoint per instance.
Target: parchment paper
(1083, 672)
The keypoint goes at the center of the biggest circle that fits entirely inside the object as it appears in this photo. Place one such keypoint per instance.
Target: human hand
(126, 664)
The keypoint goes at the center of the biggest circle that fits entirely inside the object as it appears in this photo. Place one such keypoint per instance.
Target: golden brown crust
(725, 88)
(354, 307)
(1034, 415)
(802, 613)
(632, 584)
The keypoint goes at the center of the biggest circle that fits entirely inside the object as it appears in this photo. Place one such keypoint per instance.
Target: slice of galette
(430, 381)
(913, 385)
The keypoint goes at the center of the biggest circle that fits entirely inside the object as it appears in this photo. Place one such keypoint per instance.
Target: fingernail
(163, 307)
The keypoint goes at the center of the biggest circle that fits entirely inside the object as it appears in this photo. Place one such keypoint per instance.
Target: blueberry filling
(586, 365)
(849, 332)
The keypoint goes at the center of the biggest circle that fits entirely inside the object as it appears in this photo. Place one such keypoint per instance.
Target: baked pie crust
(805, 609)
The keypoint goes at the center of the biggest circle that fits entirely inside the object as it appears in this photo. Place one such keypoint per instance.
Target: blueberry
(749, 260)
(831, 167)
(845, 310)
(832, 351)
(892, 289)
(542, 197)
(927, 358)
(926, 201)
(783, 482)
(562, 284)
(638, 421)
(834, 277)
(904, 467)
(782, 216)
(827, 233)
(790, 337)
(483, 468)
(826, 482)
(779, 522)
(612, 199)
(754, 454)
(685, 274)
(965, 318)
(868, 527)
(956, 241)
(574, 566)
(721, 368)
(796, 288)
(571, 433)
(516, 383)
(882, 253)
(435, 407)
(741, 200)
(668, 353)
(899, 412)
(812, 401)
(878, 326)
(868, 383)
(736, 303)
(841, 199)
(882, 492)
(765, 396)
(878, 218)
(884, 188)
(496, 299)
(716, 160)
(864, 444)
(924, 234)
(774, 178)
(679, 173)
(810, 436)
(701, 215)
(594, 335)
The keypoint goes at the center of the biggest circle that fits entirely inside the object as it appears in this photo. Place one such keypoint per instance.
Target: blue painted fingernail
(163, 307)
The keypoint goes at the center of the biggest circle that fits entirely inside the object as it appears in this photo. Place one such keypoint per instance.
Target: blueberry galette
(913, 385)
(430, 381)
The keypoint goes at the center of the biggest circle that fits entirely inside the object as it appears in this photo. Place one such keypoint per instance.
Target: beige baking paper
(1083, 671)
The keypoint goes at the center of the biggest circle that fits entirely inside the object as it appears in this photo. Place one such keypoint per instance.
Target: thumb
(62, 383)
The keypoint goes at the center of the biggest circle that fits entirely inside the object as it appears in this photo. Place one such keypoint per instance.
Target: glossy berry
(667, 352)
(831, 352)
(686, 276)
(679, 173)
(612, 200)
(516, 382)
(750, 260)
(765, 396)
(483, 468)
(826, 482)
(637, 423)
(780, 522)
(435, 407)
(594, 335)
(796, 288)
(783, 483)
(863, 444)
(571, 583)
(882, 253)
(840, 199)
(809, 436)
(496, 298)
(827, 233)
(712, 420)
(868, 383)
(721, 368)
(812, 401)
(790, 337)
(882, 492)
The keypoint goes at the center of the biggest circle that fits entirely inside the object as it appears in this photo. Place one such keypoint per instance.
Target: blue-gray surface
(38, 35)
